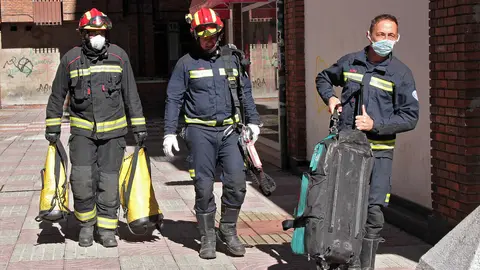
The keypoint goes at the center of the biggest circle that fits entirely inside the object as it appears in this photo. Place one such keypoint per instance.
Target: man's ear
(369, 36)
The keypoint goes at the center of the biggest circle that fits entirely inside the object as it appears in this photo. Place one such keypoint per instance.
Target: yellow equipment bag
(137, 197)
(54, 194)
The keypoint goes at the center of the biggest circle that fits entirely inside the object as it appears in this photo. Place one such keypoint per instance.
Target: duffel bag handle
(334, 121)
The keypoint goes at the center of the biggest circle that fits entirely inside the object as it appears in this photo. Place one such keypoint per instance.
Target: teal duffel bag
(298, 238)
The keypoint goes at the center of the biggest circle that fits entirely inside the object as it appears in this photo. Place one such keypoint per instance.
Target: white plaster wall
(334, 28)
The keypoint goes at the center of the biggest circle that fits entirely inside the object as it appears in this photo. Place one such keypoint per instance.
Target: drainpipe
(282, 91)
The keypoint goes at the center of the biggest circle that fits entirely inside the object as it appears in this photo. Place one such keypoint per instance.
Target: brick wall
(455, 103)
(295, 78)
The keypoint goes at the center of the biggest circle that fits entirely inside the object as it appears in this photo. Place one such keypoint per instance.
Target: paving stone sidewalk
(27, 244)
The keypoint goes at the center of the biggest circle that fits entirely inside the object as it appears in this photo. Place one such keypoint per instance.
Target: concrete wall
(335, 28)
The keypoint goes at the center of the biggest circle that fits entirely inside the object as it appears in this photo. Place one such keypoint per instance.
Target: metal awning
(219, 5)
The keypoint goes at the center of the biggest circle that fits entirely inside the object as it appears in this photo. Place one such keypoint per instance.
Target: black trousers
(208, 147)
(94, 179)
(379, 196)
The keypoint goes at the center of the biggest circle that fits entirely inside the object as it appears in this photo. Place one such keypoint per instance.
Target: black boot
(206, 226)
(227, 232)
(85, 238)
(369, 250)
(107, 238)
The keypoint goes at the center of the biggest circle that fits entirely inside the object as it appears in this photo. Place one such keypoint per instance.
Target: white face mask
(97, 42)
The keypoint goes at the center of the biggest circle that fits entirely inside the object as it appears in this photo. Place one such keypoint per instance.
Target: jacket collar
(361, 58)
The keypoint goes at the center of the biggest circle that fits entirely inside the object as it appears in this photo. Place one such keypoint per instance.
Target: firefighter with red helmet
(212, 89)
(99, 78)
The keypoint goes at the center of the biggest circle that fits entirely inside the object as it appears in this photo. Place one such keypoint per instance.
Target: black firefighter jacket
(102, 90)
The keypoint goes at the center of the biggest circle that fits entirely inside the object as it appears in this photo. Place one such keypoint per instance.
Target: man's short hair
(382, 17)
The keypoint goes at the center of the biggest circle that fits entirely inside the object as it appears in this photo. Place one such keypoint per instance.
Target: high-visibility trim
(112, 125)
(382, 84)
(53, 122)
(222, 72)
(107, 223)
(387, 198)
(192, 173)
(353, 76)
(95, 69)
(201, 73)
(214, 16)
(228, 121)
(81, 123)
(138, 121)
(382, 145)
(86, 216)
(197, 19)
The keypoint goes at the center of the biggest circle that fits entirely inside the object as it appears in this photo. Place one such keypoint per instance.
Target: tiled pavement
(27, 244)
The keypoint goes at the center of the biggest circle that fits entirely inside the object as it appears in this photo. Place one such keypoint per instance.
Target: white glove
(253, 132)
(170, 140)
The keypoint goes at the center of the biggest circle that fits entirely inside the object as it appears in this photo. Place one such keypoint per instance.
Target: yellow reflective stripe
(53, 122)
(107, 223)
(106, 68)
(228, 121)
(352, 76)
(138, 121)
(382, 84)
(95, 69)
(86, 216)
(81, 123)
(382, 145)
(192, 173)
(222, 72)
(202, 73)
(387, 198)
(111, 125)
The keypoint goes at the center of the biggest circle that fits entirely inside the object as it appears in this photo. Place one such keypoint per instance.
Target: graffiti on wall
(23, 66)
(26, 75)
(44, 88)
(264, 59)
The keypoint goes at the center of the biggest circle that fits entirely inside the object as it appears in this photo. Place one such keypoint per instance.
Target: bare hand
(332, 103)
(364, 122)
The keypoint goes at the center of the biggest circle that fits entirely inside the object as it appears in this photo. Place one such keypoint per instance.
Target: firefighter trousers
(209, 147)
(94, 179)
(379, 195)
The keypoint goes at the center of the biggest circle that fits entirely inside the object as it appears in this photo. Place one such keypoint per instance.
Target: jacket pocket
(78, 88)
(113, 89)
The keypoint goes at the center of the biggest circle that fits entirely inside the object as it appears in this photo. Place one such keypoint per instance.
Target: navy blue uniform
(390, 98)
(199, 88)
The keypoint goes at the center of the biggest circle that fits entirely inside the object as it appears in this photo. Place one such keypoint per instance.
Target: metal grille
(47, 12)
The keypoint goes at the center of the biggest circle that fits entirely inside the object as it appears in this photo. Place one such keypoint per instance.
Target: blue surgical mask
(383, 47)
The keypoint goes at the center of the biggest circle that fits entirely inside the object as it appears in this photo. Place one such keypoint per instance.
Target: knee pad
(234, 195)
(82, 182)
(204, 196)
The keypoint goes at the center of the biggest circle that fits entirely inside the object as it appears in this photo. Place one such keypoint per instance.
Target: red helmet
(94, 20)
(204, 23)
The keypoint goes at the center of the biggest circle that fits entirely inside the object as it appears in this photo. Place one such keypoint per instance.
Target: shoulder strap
(235, 84)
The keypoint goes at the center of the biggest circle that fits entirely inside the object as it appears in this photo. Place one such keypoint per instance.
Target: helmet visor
(207, 30)
(99, 22)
